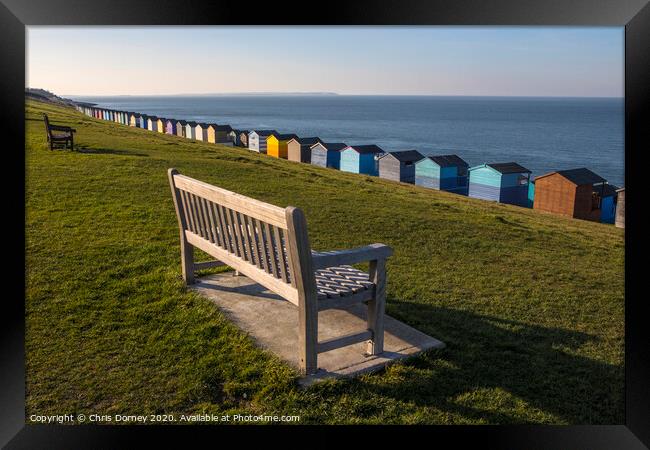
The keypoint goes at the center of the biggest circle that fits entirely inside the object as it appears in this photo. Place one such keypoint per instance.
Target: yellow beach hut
(276, 145)
(160, 127)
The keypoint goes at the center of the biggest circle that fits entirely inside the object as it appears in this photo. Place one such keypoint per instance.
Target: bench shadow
(108, 151)
(533, 364)
(491, 366)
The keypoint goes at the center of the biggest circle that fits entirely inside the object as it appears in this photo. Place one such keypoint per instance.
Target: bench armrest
(321, 260)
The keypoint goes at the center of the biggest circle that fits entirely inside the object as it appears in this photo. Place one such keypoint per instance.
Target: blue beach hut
(608, 202)
(143, 121)
(443, 172)
(500, 182)
(360, 159)
(327, 154)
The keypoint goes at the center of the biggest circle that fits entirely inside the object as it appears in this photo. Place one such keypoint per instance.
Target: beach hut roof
(171, 120)
(366, 148)
(152, 117)
(334, 146)
(405, 155)
(448, 160)
(220, 127)
(182, 122)
(308, 140)
(285, 137)
(581, 176)
(192, 124)
(509, 167)
(264, 132)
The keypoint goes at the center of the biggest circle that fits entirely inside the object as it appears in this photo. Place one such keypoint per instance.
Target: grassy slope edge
(530, 305)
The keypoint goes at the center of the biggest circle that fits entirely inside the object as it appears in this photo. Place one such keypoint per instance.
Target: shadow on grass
(486, 356)
(108, 151)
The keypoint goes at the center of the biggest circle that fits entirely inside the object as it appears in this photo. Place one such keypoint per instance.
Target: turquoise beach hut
(360, 159)
(531, 194)
(500, 182)
(442, 172)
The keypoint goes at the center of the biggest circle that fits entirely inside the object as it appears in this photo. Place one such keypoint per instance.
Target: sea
(543, 134)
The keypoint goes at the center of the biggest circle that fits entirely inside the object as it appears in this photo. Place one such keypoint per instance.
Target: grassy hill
(530, 305)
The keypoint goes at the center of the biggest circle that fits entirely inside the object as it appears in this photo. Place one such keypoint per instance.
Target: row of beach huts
(578, 193)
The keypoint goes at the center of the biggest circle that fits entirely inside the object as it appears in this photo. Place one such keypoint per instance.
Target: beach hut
(190, 130)
(276, 145)
(234, 136)
(327, 154)
(442, 172)
(125, 118)
(180, 128)
(201, 131)
(608, 194)
(360, 159)
(398, 166)
(134, 120)
(151, 123)
(531, 194)
(500, 182)
(143, 121)
(620, 208)
(578, 193)
(161, 123)
(257, 140)
(218, 133)
(299, 149)
(243, 138)
(170, 126)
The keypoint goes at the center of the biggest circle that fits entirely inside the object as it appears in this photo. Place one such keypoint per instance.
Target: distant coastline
(541, 133)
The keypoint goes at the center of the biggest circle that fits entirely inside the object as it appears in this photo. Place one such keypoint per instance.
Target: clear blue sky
(521, 61)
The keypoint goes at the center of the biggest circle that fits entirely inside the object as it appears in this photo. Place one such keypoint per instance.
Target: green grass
(530, 305)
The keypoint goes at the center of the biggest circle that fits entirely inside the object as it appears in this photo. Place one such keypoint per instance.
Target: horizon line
(334, 94)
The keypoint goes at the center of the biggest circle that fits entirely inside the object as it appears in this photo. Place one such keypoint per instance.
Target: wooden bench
(58, 135)
(270, 245)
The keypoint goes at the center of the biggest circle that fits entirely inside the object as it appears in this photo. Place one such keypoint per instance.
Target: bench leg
(187, 262)
(308, 335)
(377, 306)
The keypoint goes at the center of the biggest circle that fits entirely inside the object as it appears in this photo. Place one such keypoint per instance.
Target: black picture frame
(15, 15)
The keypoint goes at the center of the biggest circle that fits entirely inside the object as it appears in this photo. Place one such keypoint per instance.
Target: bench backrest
(266, 243)
(46, 120)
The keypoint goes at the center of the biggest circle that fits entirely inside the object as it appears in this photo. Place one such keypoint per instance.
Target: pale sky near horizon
(500, 61)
